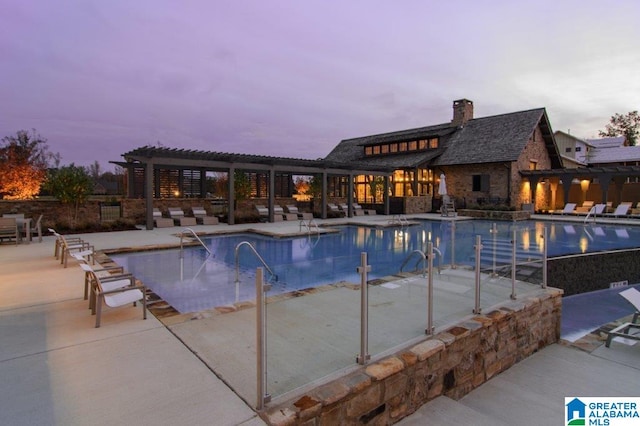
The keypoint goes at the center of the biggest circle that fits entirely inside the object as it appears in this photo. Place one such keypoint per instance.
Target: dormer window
(401, 147)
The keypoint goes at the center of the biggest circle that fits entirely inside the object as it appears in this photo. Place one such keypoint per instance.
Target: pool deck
(56, 368)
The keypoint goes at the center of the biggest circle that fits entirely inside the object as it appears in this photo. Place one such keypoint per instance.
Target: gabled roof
(611, 142)
(350, 150)
(499, 138)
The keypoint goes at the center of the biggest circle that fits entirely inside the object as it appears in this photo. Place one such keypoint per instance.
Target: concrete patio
(56, 368)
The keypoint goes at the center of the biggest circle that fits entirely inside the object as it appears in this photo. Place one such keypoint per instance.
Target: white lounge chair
(628, 330)
(621, 210)
(569, 208)
(115, 292)
(585, 207)
(335, 209)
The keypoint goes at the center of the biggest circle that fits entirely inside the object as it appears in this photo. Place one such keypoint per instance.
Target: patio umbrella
(442, 189)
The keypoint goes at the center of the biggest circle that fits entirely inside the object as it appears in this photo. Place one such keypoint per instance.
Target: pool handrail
(196, 237)
(237, 260)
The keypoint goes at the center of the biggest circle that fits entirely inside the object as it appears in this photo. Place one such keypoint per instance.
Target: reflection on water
(198, 282)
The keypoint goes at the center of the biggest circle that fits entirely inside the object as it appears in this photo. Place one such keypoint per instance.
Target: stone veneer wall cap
(472, 325)
(427, 348)
(518, 306)
(385, 368)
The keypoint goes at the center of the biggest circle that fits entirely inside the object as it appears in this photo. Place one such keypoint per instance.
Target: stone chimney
(462, 112)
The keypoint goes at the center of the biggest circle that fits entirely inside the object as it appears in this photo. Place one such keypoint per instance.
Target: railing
(399, 219)
(393, 310)
(237, 260)
(304, 224)
(192, 232)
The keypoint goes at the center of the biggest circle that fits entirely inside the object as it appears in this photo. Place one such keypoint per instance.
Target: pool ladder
(307, 225)
(399, 219)
(237, 259)
(192, 232)
(423, 257)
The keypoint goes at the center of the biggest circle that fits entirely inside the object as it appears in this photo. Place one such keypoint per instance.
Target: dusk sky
(293, 78)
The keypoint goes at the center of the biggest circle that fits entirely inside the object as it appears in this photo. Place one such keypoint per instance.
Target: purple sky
(292, 78)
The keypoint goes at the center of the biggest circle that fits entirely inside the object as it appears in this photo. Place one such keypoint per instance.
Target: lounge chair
(301, 215)
(262, 211)
(621, 210)
(177, 214)
(359, 211)
(9, 229)
(115, 292)
(598, 209)
(278, 213)
(288, 215)
(159, 221)
(585, 207)
(569, 208)
(626, 330)
(335, 209)
(202, 217)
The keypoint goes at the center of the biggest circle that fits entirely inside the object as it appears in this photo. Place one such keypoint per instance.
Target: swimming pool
(197, 281)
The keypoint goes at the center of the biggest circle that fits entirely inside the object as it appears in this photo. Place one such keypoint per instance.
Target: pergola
(603, 174)
(151, 158)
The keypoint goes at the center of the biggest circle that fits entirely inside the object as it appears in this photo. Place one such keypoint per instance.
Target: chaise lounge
(177, 214)
(626, 330)
(202, 217)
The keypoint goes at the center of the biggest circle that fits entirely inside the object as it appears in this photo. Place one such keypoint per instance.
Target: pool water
(196, 281)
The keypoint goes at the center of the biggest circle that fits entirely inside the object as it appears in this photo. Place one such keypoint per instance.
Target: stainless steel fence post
(430, 327)
(364, 310)
(261, 341)
(478, 248)
(513, 265)
(494, 232)
(544, 258)
(453, 244)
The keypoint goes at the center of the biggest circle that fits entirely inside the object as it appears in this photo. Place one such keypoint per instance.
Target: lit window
(393, 147)
(384, 149)
(433, 143)
(402, 147)
(368, 150)
(376, 150)
(413, 145)
(422, 144)
(533, 165)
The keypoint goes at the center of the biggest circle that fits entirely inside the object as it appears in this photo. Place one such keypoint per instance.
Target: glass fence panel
(311, 332)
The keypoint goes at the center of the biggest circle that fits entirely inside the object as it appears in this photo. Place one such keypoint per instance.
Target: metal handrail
(237, 259)
(399, 219)
(196, 237)
(308, 226)
(422, 255)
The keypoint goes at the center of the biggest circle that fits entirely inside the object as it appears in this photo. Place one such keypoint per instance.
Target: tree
(24, 159)
(71, 185)
(627, 125)
(241, 185)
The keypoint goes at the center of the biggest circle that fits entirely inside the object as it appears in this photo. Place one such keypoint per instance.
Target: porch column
(323, 201)
(231, 200)
(533, 183)
(566, 185)
(386, 194)
(272, 195)
(350, 195)
(605, 179)
(149, 194)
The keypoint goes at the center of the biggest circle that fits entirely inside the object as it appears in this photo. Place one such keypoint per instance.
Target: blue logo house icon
(575, 410)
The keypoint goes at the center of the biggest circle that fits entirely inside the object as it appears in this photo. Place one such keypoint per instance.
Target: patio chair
(626, 330)
(569, 208)
(584, 208)
(263, 212)
(102, 272)
(177, 214)
(621, 210)
(358, 210)
(9, 228)
(65, 246)
(288, 215)
(335, 209)
(202, 217)
(36, 229)
(115, 292)
(159, 221)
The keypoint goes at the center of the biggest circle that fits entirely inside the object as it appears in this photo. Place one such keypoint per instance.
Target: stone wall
(593, 271)
(451, 363)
